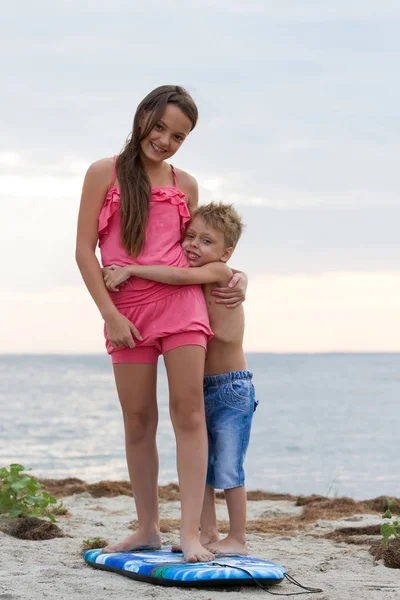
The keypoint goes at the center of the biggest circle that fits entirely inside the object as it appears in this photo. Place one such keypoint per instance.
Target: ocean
(326, 424)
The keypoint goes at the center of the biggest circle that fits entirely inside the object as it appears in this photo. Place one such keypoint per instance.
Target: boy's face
(203, 244)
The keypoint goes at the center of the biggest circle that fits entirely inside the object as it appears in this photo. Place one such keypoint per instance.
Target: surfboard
(163, 567)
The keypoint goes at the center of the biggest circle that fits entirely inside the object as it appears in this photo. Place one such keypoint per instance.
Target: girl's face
(167, 135)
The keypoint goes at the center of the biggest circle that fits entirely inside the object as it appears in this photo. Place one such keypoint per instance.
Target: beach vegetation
(60, 509)
(389, 504)
(23, 496)
(390, 528)
(93, 544)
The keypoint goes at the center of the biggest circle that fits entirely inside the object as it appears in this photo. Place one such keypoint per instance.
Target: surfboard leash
(308, 590)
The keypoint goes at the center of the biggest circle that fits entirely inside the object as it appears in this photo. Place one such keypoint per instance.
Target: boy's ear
(227, 254)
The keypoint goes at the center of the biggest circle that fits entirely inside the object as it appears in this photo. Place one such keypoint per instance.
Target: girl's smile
(157, 148)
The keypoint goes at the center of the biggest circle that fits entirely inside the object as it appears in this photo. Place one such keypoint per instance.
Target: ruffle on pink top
(110, 206)
(158, 194)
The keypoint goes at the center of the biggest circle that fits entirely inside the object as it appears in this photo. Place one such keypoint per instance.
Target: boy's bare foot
(136, 541)
(229, 545)
(193, 551)
(209, 538)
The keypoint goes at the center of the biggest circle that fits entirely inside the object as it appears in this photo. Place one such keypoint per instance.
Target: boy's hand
(105, 270)
(114, 277)
(233, 295)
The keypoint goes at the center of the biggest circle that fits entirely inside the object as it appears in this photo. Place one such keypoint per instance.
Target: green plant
(60, 509)
(22, 496)
(93, 543)
(388, 503)
(390, 528)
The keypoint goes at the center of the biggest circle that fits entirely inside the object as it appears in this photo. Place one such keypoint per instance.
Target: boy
(209, 241)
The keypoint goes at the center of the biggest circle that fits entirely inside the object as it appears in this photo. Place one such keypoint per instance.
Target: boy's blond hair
(223, 217)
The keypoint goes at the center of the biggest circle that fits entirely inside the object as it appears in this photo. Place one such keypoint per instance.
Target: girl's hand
(121, 332)
(233, 295)
(115, 276)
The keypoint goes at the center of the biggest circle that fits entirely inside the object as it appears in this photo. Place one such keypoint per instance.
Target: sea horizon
(324, 423)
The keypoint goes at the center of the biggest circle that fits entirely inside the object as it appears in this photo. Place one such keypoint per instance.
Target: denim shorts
(229, 404)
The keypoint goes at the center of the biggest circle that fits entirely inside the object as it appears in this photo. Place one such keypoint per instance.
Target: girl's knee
(187, 413)
(139, 426)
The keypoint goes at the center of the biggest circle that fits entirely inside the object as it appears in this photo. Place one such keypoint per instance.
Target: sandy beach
(303, 538)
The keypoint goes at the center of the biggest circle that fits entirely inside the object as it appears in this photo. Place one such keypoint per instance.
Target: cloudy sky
(299, 126)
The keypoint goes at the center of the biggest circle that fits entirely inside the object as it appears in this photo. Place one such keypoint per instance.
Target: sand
(55, 569)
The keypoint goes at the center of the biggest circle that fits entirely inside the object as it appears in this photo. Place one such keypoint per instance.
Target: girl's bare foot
(136, 541)
(193, 551)
(205, 540)
(229, 545)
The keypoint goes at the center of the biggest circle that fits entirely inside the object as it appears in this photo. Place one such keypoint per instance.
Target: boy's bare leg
(208, 523)
(235, 541)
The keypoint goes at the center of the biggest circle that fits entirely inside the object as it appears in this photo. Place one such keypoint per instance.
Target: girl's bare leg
(208, 521)
(136, 385)
(185, 369)
(235, 541)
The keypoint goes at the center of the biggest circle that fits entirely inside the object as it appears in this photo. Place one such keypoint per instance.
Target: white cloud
(229, 190)
(284, 9)
(10, 159)
(62, 320)
(331, 312)
(308, 9)
(39, 187)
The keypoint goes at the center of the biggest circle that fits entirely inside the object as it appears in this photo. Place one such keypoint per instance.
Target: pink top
(167, 218)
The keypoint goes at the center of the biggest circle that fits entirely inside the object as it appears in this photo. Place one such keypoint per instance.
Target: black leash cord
(309, 590)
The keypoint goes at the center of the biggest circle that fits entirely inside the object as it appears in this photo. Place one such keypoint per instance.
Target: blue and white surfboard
(163, 567)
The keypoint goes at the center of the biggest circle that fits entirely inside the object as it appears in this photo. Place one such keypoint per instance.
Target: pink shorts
(180, 319)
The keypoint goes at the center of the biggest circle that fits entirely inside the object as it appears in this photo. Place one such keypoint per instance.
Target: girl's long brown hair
(134, 183)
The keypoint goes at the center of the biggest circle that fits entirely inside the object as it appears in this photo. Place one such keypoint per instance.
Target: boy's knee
(227, 477)
(228, 471)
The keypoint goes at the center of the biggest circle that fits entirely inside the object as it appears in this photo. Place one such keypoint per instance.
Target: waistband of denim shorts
(227, 377)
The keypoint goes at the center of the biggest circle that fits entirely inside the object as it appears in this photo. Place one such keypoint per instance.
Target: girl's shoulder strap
(173, 175)
(114, 172)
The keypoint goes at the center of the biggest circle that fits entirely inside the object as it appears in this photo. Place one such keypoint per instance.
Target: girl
(136, 207)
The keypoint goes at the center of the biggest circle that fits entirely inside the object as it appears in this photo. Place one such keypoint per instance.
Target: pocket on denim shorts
(208, 403)
(237, 394)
